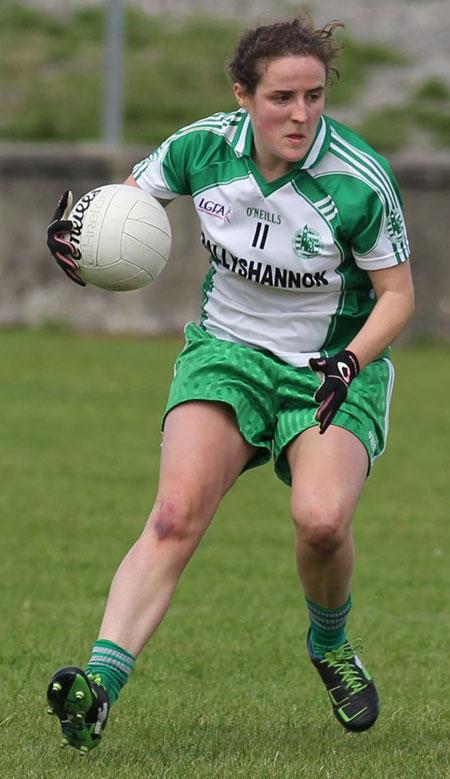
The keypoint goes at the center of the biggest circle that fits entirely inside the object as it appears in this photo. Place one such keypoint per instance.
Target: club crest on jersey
(307, 242)
(395, 228)
(212, 208)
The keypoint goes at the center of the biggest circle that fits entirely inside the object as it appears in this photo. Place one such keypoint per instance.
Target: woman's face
(285, 110)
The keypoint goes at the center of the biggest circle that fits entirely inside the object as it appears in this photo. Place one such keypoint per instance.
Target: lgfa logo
(212, 208)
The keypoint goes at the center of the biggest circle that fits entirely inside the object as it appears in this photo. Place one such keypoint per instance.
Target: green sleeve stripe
(368, 166)
(358, 170)
(221, 124)
(327, 208)
(367, 169)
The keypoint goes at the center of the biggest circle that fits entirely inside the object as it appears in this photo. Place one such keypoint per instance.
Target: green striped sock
(327, 626)
(113, 664)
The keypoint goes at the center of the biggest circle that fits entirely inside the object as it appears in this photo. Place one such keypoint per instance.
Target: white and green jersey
(288, 258)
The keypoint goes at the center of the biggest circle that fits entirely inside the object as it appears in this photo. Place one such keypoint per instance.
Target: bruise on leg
(165, 523)
(163, 528)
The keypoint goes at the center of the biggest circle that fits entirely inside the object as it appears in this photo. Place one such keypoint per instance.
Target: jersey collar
(243, 142)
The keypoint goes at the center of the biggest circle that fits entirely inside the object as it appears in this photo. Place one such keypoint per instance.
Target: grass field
(225, 689)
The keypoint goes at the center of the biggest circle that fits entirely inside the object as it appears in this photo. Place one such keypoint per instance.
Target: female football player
(308, 285)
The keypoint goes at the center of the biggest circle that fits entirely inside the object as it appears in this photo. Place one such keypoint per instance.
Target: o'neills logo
(84, 225)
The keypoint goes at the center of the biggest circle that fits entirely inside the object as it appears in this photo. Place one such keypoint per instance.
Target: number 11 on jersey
(260, 238)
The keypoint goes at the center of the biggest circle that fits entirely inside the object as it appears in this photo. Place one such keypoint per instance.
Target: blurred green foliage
(52, 68)
(355, 64)
(426, 111)
(433, 89)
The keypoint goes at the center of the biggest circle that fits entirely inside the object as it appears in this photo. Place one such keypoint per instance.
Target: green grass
(225, 689)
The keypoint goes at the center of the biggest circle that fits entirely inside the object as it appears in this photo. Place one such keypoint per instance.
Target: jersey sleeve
(380, 240)
(165, 172)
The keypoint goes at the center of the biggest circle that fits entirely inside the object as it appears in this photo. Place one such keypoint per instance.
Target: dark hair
(297, 36)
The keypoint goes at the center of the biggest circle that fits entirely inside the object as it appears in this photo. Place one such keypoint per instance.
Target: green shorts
(274, 402)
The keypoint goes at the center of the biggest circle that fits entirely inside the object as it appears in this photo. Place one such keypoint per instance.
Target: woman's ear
(241, 95)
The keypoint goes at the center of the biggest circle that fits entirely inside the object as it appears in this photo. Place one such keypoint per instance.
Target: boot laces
(96, 678)
(342, 660)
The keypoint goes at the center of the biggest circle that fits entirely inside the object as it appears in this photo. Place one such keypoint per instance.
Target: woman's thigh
(328, 473)
(202, 453)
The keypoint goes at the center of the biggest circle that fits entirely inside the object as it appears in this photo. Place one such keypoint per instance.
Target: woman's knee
(176, 518)
(322, 526)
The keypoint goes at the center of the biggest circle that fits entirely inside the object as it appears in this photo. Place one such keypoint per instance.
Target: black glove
(337, 373)
(62, 250)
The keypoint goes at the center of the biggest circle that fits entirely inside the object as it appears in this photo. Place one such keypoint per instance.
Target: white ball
(122, 236)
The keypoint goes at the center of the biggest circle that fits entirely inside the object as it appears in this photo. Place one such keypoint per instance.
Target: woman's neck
(271, 170)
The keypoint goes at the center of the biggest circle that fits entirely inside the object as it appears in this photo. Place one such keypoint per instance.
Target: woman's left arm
(394, 307)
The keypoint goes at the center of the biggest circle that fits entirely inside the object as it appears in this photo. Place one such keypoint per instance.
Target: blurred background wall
(34, 292)
(394, 88)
